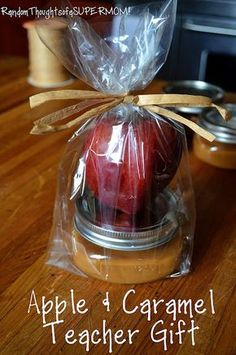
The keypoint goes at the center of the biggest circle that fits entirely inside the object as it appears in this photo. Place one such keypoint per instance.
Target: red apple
(125, 159)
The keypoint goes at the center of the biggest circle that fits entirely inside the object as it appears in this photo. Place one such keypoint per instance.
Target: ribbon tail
(43, 128)
(223, 112)
(177, 100)
(174, 100)
(174, 116)
(39, 99)
(68, 111)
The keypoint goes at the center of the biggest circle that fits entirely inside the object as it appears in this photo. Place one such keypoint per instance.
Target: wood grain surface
(28, 173)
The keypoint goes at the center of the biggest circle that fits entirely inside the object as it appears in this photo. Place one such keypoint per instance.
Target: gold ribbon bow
(155, 103)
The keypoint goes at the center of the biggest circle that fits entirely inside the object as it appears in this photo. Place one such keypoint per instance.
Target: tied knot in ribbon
(94, 103)
(130, 99)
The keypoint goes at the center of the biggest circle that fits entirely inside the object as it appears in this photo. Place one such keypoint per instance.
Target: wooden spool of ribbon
(46, 71)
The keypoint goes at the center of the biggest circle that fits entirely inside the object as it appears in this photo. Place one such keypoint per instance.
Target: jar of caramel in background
(222, 151)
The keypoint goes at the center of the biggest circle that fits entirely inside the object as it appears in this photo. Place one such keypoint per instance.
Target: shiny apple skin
(128, 162)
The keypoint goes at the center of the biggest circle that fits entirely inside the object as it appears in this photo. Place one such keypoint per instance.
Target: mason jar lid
(120, 239)
(225, 132)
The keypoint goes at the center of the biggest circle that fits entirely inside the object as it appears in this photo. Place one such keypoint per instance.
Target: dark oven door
(207, 50)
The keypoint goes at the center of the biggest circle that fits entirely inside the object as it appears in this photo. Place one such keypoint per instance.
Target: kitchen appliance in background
(204, 45)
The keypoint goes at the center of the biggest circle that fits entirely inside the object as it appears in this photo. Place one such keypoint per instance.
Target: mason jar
(222, 151)
(122, 256)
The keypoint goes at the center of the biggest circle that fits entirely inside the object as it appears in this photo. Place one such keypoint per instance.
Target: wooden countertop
(27, 188)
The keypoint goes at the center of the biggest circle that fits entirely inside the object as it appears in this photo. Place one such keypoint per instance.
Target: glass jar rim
(120, 239)
(225, 132)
